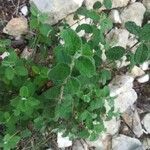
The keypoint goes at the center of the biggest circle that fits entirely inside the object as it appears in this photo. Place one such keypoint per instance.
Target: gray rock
(146, 122)
(57, 9)
(146, 3)
(121, 87)
(144, 78)
(118, 37)
(79, 145)
(115, 16)
(133, 12)
(123, 142)
(132, 119)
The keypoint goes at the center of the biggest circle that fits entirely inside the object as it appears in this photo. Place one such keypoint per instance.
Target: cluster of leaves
(142, 34)
(70, 96)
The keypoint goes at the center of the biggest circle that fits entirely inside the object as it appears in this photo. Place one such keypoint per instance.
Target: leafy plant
(70, 95)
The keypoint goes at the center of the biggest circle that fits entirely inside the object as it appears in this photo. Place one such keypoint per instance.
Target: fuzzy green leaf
(59, 72)
(72, 41)
(142, 54)
(9, 73)
(97, 5)
(145, 33)
(115, 53)
(21, 71)
(107, 4)
(85, 66)
(133, 28)
(24, 91)
(73, 85)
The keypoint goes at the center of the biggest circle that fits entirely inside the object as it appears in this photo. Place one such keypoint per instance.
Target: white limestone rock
(16, 27)
(24, 10)
(146, 122)
(137, 71)
(123, 142)
(146, 3)
(63, 141)
(133, 12)
(115, 16)
(145, 65)
(79, 145)
(143, 79)
(112, 126)
(118, 37)
(57, 9)
(121, 87)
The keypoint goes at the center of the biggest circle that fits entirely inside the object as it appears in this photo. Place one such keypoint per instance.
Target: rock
(4, 55)
(123, 62)
(115, 3)
(146, 122)
(24, 10)
(63, 141)
(115, 16)
(133, 12)
(118, 37)
(98, 144)
(79, 145)
(132, 40)
(143, 79)
(57, 9)
(146, 3)
(121, 88)
(28, 53)
(132, 119)
(16, 27)
(145, 65)
(112, 126)
(123, 142)
(137, 72)
(146, 143)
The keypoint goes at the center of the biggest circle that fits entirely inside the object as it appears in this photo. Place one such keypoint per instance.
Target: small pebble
(63, 141)
(137, 72)
(24, 10)
(5, 54)
(114, 15)
(145, 65)
(143, 79)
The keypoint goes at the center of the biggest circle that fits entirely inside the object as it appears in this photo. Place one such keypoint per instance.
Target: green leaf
(73, 85)
(9, 73)
(104, 76)
(52, 93)
(115, 53)
(72, 41)
(107, 4)
(85, 66)
(86, 51)
(133, 28)
(59, 72)
(97, 5)
(10, 142)
(61, 55)
(45, 29)
(86, 27)
(89, 13)
(145, 33)
(142, 54)
(21, 71)
(24, 91)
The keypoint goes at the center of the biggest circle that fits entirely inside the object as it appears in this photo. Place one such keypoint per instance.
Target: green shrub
(69, 96)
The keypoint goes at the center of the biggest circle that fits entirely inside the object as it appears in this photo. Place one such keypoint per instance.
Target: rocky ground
(130, 131)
